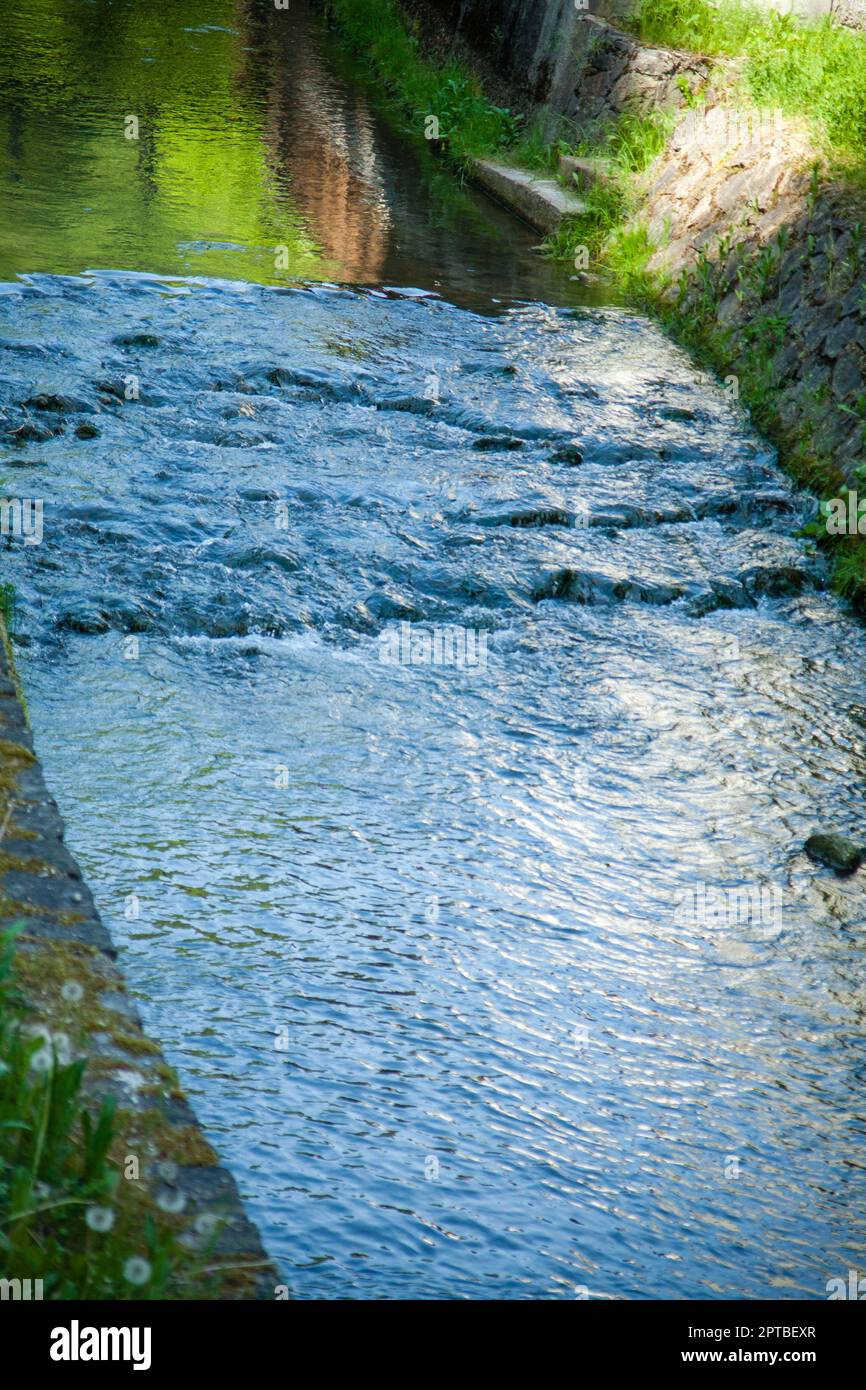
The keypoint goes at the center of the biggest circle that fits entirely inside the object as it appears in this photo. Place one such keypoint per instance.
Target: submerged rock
(30, 433)
(87, 431)
(136, 340)
(489, 443)
(569, 454)
(835, 852)
(774, 581)
(529, 516)
(63, 404)
(83, 618)
(583, 586)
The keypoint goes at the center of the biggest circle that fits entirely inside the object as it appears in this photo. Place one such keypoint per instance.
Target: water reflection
(258, 156)
(321, 139)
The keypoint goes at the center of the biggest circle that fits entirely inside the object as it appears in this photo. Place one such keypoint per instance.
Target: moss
(45, 967)
(163, 1139)
(14, 757)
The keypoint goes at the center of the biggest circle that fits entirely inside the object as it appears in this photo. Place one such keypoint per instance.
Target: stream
(437, 692)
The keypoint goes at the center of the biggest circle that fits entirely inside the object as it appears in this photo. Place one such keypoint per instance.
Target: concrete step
(585, 172)
(542, 202)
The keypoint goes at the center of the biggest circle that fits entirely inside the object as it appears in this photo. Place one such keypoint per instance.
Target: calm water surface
(413, 934)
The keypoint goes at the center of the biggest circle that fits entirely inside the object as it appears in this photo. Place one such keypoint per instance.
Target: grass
(606, 230)
(444, 103)
(7, 605)
(815, 70)
(67, 1217)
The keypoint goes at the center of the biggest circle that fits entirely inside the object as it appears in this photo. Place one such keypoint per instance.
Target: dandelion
(206, 1224)
(171, 1201)
(62, 1049)
(72, 992)
(100, 1218)
(42, 1061)
(137, 1270)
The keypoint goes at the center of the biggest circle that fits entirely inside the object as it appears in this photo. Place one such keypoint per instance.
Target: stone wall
(739, 213)
(613, 72)
(67, 969)
(744, 214)
(540, 43)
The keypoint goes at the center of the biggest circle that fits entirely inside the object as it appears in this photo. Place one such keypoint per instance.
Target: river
(427, 666)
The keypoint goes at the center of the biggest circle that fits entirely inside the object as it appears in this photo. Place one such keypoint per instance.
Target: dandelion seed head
(170, 1200)
(137, 1270)
(100, 1218)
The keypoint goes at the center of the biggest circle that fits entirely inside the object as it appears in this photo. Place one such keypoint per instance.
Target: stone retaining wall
(66, 965)
(742, 210)
(539, 43)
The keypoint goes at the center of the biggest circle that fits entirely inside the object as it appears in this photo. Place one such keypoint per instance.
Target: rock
(776, 581)
(847, 377)
(30, 433)
(87, 431)
(61, 403)
(568, 454)
(136, 340)
(529, 517)
(495, 443)
(835, 852)
(586, 587)
(585, 172)
(539, 201)
(83, 618)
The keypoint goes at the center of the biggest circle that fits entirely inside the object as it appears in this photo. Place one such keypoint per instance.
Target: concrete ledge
(583, 173)
(540, 202)
(66, 967)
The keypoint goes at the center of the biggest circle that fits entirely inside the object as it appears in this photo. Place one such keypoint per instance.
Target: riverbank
(109, 1188)
(738, 223)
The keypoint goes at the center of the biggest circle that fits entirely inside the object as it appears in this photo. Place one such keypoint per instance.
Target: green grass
(66, 1216)
(815, 70)
(469, 125)
(7, 605)
(606, 229)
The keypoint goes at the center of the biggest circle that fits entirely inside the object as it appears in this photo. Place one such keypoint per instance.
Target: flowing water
(438, 696)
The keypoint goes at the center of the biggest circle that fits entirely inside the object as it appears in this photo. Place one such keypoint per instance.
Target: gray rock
(568, 454)
(847, 377)
(835, 852)
(496, 443)
(136, 340)
(60, 403)
(30, 433)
